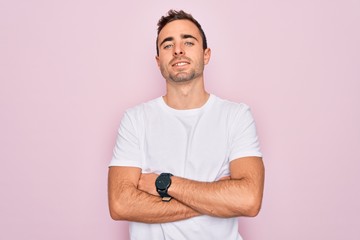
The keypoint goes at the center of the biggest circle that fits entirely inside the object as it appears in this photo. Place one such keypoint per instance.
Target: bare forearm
(225, 198)
(240, 195)
(127, 202)
(133, 196)
(138, 206)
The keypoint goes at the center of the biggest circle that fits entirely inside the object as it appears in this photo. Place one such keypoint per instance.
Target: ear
(157, 60)
(207, 55)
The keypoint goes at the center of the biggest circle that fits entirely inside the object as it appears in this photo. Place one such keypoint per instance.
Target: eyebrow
(166, 40)
(183, 36)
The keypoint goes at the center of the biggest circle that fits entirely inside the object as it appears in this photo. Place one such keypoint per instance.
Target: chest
(194, 147)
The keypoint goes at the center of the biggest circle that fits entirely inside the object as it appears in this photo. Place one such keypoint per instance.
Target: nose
(178, 50)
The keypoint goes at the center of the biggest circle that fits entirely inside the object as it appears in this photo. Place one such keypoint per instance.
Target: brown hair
(173, 15)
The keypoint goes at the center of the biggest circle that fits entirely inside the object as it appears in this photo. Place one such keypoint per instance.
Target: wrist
(173, 188)
(162, 184)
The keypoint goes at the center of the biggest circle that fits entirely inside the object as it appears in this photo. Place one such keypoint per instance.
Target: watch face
(162, 182)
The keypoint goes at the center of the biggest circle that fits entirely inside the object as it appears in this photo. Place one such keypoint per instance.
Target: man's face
(181, 55)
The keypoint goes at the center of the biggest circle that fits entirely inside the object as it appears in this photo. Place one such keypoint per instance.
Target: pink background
(69, 69)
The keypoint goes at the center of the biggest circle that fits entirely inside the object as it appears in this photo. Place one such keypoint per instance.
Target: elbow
(253, 211)
(117, 211)
(252, 207)
(248, 206)
(114, 212)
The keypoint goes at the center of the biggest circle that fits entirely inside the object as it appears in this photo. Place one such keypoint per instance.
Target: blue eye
(189, 44)
(168, 46)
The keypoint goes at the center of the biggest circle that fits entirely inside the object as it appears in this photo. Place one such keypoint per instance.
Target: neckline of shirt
(193, 111)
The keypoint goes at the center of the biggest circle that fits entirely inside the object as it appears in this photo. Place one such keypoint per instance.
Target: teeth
(180, 64)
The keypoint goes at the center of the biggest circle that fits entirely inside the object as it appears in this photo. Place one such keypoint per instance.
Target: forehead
(179, 27)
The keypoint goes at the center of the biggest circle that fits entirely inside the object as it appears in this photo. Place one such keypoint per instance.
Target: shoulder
(134, 118)
(141, 109)
(230, 107)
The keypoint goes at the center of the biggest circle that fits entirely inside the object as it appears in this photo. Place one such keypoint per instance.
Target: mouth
(180, 63)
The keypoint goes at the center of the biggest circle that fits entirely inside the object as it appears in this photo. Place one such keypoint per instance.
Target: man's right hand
(147, 183)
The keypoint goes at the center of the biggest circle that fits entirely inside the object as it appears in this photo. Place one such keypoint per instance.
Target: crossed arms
(133, 197)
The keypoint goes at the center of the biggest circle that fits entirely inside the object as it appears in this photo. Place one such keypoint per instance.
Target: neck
(187, 95)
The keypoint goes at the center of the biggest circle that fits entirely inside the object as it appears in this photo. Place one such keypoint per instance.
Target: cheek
(162, 60)
(162, 65)
(163, 68)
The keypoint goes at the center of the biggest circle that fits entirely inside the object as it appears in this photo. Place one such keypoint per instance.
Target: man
(187, 164)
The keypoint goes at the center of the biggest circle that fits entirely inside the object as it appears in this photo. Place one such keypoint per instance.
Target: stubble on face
(182, 76)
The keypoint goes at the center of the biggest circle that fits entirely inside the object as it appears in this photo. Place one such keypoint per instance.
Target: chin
(181, 77)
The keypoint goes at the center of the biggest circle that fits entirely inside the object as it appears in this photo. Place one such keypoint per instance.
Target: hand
(147, 183)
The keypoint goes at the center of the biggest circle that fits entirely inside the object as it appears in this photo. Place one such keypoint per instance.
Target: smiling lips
(180, 63)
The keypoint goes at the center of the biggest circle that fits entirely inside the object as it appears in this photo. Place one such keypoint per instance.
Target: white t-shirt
(197, 144)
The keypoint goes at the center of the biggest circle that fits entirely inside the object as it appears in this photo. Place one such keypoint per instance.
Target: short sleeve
(244, 141)
(127, 148)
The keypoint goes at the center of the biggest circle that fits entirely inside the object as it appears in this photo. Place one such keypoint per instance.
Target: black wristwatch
(162, 183)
